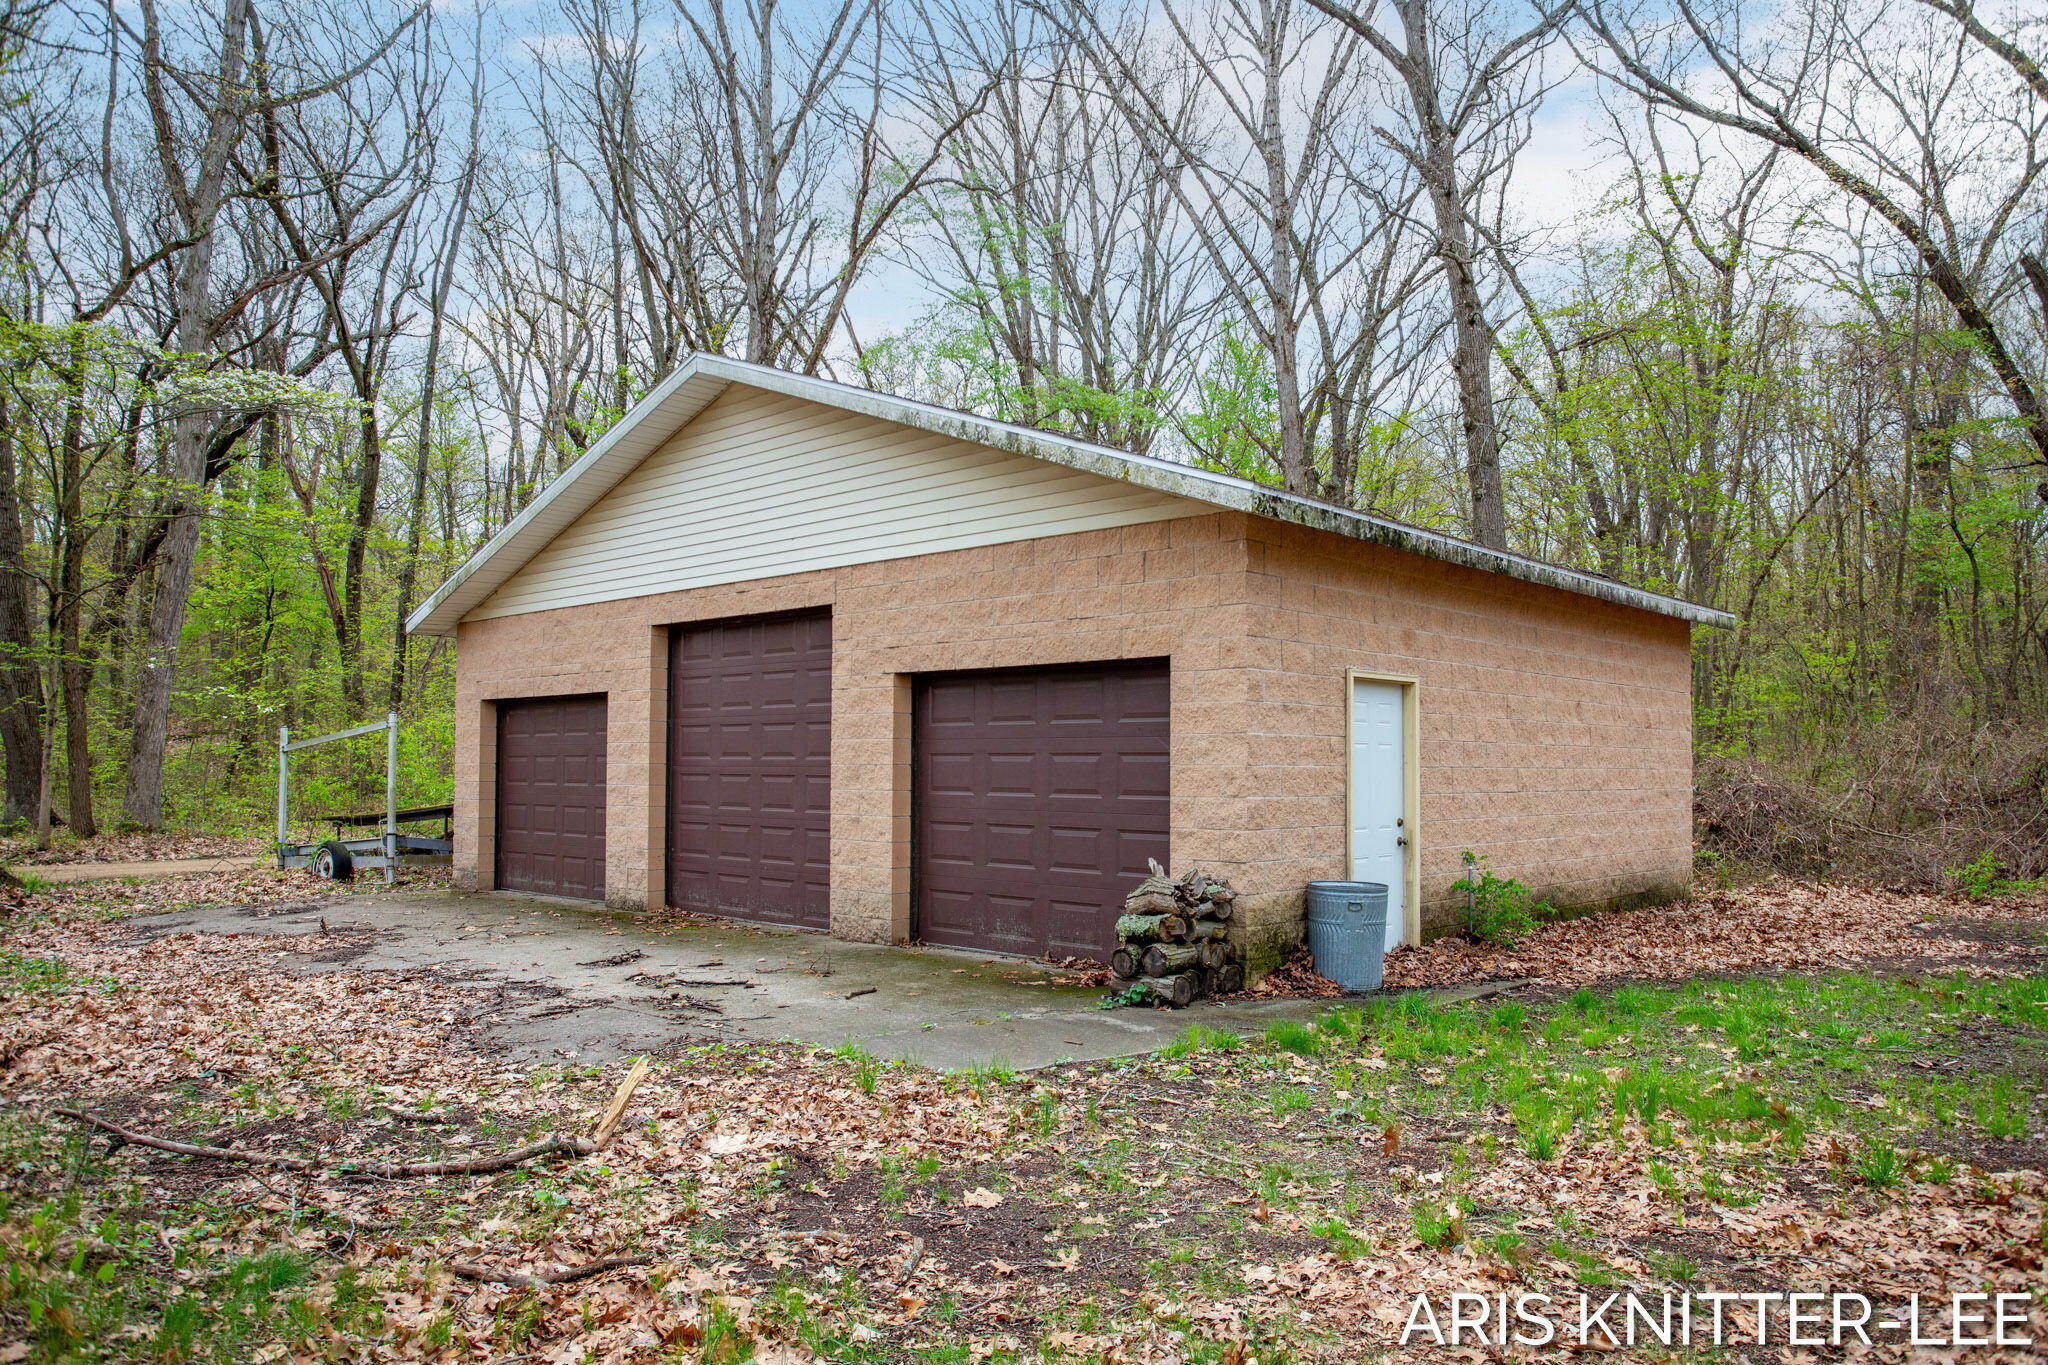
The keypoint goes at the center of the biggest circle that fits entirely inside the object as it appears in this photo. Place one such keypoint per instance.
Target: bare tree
(1909, 122)
(200, 117)
(1048, 235)
(1263, 179)
(1471, 92)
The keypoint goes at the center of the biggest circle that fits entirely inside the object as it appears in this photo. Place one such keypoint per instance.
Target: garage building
(794, 652)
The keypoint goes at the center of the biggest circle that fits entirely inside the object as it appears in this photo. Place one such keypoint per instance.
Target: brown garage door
(750, 768)
(551, 796)
(1040, 794)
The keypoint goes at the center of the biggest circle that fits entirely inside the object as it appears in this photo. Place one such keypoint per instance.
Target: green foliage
(23, 974)
(1880, 1163)
(1502, 912)
(950, 357)
(1437, 1224)
(867, 1067)
(1985, 877)
(1236, 412)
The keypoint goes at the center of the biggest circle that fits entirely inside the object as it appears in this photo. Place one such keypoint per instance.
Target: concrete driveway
(573, 981)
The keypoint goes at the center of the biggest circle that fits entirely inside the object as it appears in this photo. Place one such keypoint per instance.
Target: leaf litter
(721, 1224)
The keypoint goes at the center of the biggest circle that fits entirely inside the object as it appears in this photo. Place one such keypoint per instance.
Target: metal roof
(701, 378)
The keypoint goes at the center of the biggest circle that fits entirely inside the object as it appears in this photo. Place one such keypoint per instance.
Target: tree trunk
(74, 669)
(21, 682)
(198, 186)
(367, 478)
(142, 806)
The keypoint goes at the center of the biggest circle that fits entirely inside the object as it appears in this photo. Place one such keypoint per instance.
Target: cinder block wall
(1168, 589)
(1555, 729)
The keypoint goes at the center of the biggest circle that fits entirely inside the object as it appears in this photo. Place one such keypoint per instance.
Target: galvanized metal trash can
(1347, 932)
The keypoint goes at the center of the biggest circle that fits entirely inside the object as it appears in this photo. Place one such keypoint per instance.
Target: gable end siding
(761, 485)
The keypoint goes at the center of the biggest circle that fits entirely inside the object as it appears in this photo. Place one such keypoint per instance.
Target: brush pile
(1173, 939)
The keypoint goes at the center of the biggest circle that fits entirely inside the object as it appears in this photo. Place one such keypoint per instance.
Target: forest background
(1736, 300)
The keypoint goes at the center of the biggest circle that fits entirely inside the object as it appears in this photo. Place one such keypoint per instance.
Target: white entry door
(1379, 795)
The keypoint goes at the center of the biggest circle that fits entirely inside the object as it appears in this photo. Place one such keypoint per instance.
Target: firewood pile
(1173, 939)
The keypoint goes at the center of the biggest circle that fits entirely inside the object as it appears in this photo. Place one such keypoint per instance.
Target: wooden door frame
(1411, 787)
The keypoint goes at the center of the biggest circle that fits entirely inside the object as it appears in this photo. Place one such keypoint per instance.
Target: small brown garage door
(750, 768)
(1040, 794)
(551, 796)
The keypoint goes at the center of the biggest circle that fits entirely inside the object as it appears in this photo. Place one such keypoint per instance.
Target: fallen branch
(491, 1274)
(416, 1115)
(608, 1126)
(386, 1170)
(556, 1145)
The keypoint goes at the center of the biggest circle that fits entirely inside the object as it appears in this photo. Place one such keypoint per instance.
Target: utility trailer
(340, 858)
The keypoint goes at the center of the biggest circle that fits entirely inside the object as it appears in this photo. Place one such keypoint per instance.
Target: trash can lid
(1345, 888)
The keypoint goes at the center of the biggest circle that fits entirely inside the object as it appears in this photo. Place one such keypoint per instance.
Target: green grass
(1199, 1039)
(20, 973)
(867, 1067)
(1380, 1126)
(1291, 1035)
(85, 1272)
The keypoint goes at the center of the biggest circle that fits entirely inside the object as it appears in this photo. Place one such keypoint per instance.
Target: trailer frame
(339, 857)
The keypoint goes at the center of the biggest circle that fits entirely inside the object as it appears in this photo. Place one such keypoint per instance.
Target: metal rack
(339, 858)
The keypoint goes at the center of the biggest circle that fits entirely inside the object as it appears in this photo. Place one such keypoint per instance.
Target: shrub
(1985, 876)
(1502, 910)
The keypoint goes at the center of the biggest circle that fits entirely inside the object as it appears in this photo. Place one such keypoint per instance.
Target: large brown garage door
(551, 796)
(1040, 794)
(750, 768)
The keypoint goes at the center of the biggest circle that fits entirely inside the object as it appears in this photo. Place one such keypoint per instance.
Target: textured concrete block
(1554, 730)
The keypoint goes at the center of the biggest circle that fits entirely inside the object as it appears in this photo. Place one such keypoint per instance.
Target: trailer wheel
(334, 862)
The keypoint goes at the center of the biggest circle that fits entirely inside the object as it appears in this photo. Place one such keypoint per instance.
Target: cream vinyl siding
(761, 484)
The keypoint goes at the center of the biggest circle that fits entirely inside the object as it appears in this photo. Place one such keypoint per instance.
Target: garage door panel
(1034, 790)
(551, 796)
(750, 793)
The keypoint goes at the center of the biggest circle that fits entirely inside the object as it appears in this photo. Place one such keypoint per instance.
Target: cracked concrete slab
(582, 983)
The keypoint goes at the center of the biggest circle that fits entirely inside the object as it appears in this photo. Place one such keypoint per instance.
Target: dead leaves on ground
(1795, 927)
(135, 847)
(702, 1176)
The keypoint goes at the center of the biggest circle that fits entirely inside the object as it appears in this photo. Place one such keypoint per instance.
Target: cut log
(1207, 929)
(1218, 894)
(1227, 979)
(1216, 910)
(1152, 928)
(1162, 959)
(1158, 881)
(1174, 990)
(1189, 888)
(1124, 961)
(1151, 903)
(1213, 954)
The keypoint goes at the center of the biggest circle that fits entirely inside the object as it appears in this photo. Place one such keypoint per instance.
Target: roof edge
(1166, 476)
